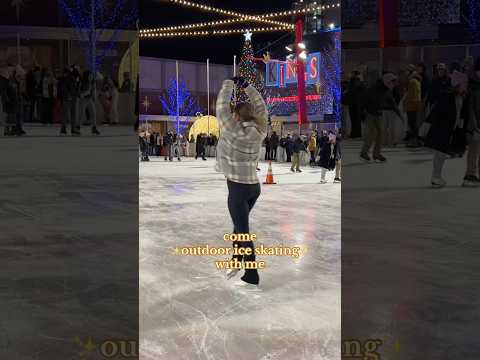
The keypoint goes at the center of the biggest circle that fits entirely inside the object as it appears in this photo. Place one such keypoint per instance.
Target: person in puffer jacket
(241, 135)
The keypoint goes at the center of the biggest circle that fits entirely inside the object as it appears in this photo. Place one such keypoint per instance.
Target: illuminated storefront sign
(281, 74)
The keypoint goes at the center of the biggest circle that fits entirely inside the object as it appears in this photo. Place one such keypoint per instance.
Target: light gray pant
(438, 162)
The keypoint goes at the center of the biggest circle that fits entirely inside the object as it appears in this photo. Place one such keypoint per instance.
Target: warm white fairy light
(240, 18)
(212, 32)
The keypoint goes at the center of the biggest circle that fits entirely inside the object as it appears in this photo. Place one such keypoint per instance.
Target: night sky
(220, 49)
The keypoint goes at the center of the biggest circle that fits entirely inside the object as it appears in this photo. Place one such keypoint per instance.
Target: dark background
(220, 49)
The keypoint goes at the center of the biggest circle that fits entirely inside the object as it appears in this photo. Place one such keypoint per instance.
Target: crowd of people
(289, 148)
(47, 96)
(437, 109)
(172, 145)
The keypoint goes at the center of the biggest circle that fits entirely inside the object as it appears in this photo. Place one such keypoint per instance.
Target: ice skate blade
(231, 273)
(241, 285)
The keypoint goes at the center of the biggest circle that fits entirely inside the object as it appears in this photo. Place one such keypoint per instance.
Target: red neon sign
(292, 99)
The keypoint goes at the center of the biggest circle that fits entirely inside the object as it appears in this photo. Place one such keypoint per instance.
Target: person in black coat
(354, 94)
(70, 90)
(442, 118)
(11, 107)
(168, 143)
(267, 148)
(377, 99)
(273, 146)
(200, 147)
(289, 148)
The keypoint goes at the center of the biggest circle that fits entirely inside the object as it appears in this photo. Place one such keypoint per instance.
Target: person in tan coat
(412, 105)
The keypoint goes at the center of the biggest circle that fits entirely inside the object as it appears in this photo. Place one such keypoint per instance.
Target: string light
(241, 17)
(227, 12)
(174, 31)
(211, 32)
(208, 24)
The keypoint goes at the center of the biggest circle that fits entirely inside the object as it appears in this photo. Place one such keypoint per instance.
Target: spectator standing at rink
(151, 147)
(176, 145)
(200, 147)
(70, 93)
(312, 147)
(328, 156)
(88, 102)
(11, 102)
(184, 145)
(354, 94)
(413, 104)
(282, 144)
(114, 107)
(167, 143)
(34, 89)
(143, 142)
(298, 146)
(127, 83)
(267, 147)
(206, 143)
(106, 101)
(241, 136)
(378, 98)
(48, 94)
(273, 146)
(214, 145)
(289, 148)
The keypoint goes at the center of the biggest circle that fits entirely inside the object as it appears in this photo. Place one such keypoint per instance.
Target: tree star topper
(248, 35)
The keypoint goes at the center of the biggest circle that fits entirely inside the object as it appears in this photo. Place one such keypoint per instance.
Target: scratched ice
(188, 310)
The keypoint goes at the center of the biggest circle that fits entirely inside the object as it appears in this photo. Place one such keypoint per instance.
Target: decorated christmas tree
(247, 69)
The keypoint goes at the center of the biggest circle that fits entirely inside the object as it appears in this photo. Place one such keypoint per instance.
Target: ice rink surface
(410, 255)
(189, 311)
(68, 231)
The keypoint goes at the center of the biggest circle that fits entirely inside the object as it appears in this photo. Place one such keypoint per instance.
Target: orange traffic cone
(269, 180)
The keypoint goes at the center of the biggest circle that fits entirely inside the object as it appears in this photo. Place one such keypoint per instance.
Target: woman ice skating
(238, 150)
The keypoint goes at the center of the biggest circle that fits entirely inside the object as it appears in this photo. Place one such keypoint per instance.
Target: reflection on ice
(188, 310)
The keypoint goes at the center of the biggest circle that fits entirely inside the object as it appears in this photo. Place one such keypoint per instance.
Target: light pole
(302, 101)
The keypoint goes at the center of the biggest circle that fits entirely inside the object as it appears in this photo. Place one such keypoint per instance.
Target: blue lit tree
(472, 18)
(187, 104)
(90, 19)
(332, 73)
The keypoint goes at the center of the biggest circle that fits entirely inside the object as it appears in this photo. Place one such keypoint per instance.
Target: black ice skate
(364, 156)
(379, 158)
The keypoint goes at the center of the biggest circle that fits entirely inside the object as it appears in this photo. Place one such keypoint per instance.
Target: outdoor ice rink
(188, 310)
